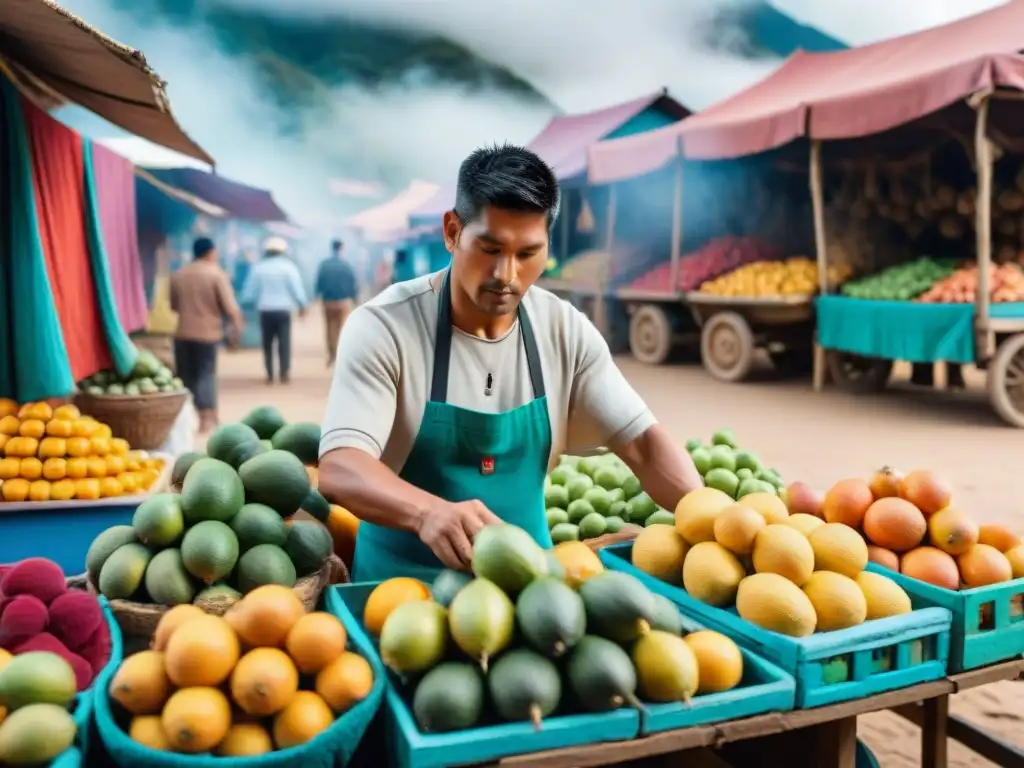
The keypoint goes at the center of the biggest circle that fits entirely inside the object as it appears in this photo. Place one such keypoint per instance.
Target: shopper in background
(274, 286)
(337, 287)
(202, 296)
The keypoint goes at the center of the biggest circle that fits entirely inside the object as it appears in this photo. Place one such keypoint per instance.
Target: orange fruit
(245, 740)
(100, 445)
(129, 482)
(115, 465)
(196, 719)
(343, 526)
(21, 447)
(8, 407)
(39, 490)
(202, 652)
(102, 431)
(66, 413)
(265, 616)
(83, 428)
(97, 466)
(9, 425)
(171, 620)
(32, 428)
(345, 681)
(264, 681)
(78, 447)
(387, 596)
(78, 468)
(110, 488)
(62, 490)
(315, 641)
(87, 488)
(40, 411)
(119, 446)
(31, 468)
(140, 684)
(58, 428)
(55, 469)
(9, 468)
(15, 489)
(302, 720)
(148, 731)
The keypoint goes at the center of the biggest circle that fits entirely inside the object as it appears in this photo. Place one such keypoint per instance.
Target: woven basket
(138, 620)
(628, 533)
(143, 420)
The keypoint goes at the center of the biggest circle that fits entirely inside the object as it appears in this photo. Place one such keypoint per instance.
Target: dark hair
(509, 177)
(201, 247)
(337, 245)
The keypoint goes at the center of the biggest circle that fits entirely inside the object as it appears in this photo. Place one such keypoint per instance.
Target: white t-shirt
(385, 364)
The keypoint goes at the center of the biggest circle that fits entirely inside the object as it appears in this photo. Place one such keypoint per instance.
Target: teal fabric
(649, 120)
(33, 357)
(122, 350)
(459, 455)
(903, 330)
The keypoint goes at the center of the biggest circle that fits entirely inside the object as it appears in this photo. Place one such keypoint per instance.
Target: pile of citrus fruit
(264, 677)
(57, 454)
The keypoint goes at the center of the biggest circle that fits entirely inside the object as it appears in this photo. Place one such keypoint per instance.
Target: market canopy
(62, 58)
(388, 220)
(564, 141)
(839, 95)
(238, 200)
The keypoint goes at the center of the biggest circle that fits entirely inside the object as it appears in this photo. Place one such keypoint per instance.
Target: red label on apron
(487, 466)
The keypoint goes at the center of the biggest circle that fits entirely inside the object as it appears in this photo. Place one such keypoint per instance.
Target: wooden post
(677, 225)
(821, 249)
(984, 338)
(935, 732)
(600, 300)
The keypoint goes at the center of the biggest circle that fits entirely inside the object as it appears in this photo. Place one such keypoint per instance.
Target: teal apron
(500, 459)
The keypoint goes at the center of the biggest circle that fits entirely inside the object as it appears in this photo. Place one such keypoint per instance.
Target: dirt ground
(816, 437)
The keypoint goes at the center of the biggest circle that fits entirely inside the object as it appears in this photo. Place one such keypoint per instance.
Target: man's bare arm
(663, 467)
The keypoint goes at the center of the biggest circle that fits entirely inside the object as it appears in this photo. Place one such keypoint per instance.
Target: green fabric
(903, 330)
(33, 357)
(122, 350)
(446, 460)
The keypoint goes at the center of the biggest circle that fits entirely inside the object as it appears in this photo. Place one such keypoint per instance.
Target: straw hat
(275, 245)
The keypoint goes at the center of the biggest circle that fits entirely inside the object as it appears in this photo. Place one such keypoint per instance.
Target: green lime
(556, 516)
(724, 437)
(693, 444)
(640, 507)
(561, 474)
(599, 500)
(753, 485)
(701, 460)
(661, 517)
(579, 509)
(723, 480)
(588, 466)
(614, 524)
(556, 496)
(592, 526)
(565, 532)
(608, 478)
(744, 474)
(616, 494)
(747, 460)
(619, 509)
(631, 486)
(578, 486)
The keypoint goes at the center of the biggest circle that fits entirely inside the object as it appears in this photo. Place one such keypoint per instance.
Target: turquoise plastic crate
(828, 667)
(764, 688)
(410, 748)
(330, 749)
(974, 643)
(84, 703)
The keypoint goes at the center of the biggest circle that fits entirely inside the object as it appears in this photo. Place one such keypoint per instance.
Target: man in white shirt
(274, 285)
(454, 392)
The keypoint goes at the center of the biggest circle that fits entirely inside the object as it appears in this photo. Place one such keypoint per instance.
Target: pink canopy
(563, 143)
(840, 95)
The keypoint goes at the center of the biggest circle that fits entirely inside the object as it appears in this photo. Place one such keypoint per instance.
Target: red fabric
(58, 171)
(841, 95)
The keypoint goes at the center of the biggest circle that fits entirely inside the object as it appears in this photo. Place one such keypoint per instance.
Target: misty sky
(581, 55)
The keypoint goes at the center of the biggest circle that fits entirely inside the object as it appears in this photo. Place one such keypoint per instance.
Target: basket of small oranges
(55, 453)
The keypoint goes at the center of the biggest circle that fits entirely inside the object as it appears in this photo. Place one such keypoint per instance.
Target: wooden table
(827, 735)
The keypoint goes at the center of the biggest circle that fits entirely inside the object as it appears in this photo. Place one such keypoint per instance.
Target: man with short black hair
(337, 288)
(454, 392)
(202, 296)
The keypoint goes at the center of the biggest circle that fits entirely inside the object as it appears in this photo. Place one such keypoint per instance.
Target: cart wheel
(650, 335)
(793, 362)
(858, 374)
(727, 346)
(1006, 380)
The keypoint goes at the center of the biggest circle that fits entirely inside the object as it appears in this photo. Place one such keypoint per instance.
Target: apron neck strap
(443, 346)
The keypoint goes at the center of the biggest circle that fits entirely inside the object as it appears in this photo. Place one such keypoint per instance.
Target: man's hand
(449, 529)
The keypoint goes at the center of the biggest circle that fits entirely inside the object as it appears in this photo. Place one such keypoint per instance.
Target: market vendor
(453, 393)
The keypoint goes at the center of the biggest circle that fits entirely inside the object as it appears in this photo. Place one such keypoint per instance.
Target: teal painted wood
(764, 688)
(973, 644)
(329, 749)
(829, 667)
(411, 748)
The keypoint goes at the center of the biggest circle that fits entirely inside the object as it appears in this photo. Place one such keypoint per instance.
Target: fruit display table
(62, 531)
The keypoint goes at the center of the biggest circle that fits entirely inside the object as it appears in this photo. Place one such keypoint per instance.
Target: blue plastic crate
(334, 747)
(828, 667)
(975, 639)
(410, 748)
(764, 688)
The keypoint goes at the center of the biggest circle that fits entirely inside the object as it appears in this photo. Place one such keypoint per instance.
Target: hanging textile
(122, 350)
(59, 173)
(33, 356)
(114, 191)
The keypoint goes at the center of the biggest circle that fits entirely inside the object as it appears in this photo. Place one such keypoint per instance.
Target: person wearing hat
(274, 286)
(202, 296)
(453, 393)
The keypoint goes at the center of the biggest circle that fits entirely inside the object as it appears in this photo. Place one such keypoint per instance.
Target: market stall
(901, 106)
